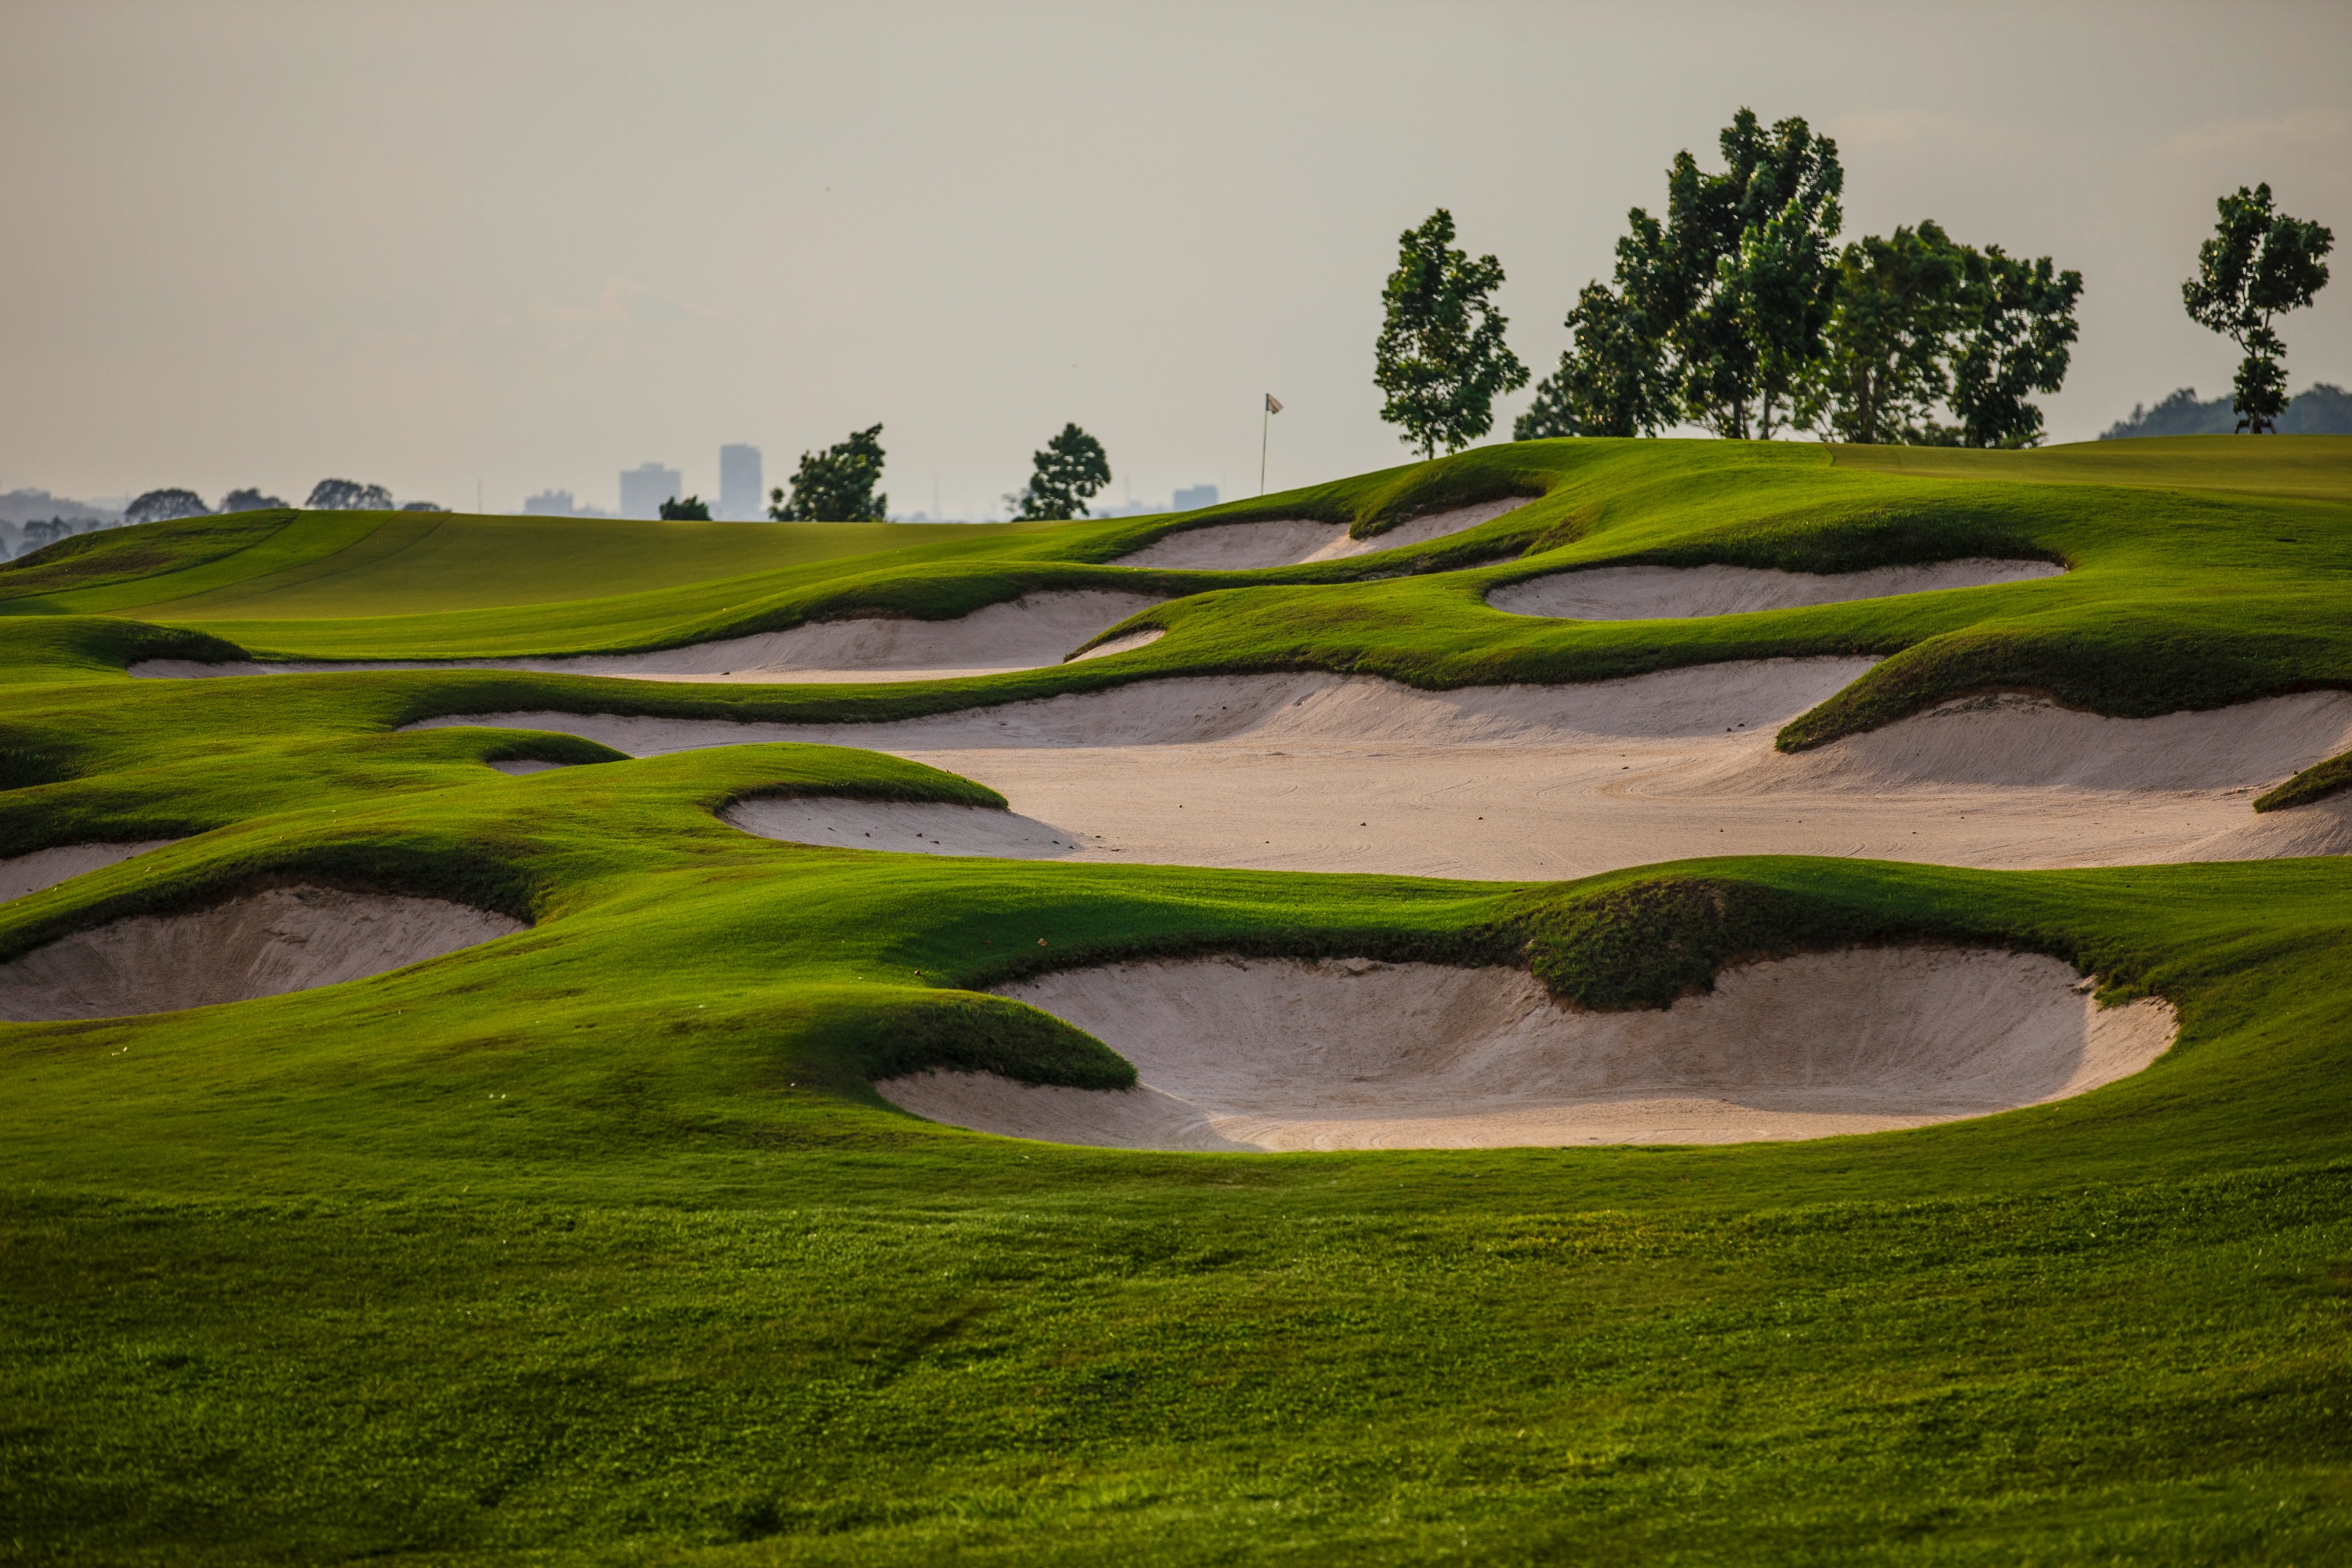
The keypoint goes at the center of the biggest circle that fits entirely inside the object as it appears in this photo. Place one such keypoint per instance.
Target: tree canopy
(248, 501)
(163, 506)
(1736, 311)
(836, 485)
(1441, 357)
(1067, 475)
(689, 509)
(2259, 264)
(344, 495)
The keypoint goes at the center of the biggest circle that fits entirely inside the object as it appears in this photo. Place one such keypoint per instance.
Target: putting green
(594, 1242)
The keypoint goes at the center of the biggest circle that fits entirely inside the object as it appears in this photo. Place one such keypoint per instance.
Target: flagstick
(1264, 423)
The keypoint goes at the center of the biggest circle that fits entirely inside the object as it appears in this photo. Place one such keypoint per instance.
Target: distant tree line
(2319, 409)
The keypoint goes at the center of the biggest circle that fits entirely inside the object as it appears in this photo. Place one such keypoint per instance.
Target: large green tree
(2019, 322)
(2259, 264)
(1441, 357)
(1612, 379)
(836, 485)
(1067, 475)
(1900, 301)
(1741, 276)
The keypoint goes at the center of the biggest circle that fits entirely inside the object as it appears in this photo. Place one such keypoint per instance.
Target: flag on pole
(1273, 403)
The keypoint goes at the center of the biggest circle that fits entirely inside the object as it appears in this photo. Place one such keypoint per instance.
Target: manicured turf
(594, 1245)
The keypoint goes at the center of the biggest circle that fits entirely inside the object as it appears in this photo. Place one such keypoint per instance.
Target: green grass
(593, 1243)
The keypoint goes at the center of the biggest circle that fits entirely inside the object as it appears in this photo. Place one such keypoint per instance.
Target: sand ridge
(1676, 593)
(1352, 1054)
(261, 944)
(1026, 633)
(1321, 773)
(1294, 541)
(30, 873)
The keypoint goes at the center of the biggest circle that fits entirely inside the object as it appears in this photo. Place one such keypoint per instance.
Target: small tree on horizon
(1067, 475)
(836, 485)
(1441, 357)
(248, 501)
(164, 506)
(2259, 264)
(345, 495)
(691, 509)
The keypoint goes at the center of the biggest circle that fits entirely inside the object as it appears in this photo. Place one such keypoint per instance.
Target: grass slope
(593, 1243)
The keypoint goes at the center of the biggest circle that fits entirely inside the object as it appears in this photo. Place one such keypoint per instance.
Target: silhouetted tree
(1068, 473)
(2259, 264)
(162, 506)
(837, 484)
(248, 501)
(1440, 356)
(692, 509)
(344, 495)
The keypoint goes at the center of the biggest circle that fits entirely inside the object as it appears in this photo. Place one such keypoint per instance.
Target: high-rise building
(741, 498)
(1196, 496)
(645, 487)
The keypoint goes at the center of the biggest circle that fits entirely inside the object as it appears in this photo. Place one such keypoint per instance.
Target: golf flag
(1273, 403)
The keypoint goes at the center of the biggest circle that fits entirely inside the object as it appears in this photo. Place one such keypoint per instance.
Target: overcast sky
(438, 245)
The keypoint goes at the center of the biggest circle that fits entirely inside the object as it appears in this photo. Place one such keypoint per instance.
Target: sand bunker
(1327, 773)
(2022, 740)
(1280, 1055)
(1247, 546)
(916, 828)
(1673, 592)
(1022, 633)
(263, 945)
(47, 868)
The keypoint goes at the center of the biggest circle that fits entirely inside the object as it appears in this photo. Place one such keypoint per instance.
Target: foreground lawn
(593, 1243)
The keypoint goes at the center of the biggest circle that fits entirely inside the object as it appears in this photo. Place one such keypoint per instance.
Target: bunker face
(1280, 1055)
(1327, 773)
(912, 827)
(1249, 546)
(1023, 634)
(26, 874)
(263, 945)
(1676, 593)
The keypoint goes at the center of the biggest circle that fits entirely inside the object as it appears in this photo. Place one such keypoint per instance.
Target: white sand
(264, 944)
(1673, 593)
(47, 868)
(1289, 541)
(1273, 1054)
(1022, 633)
(1331, 774)
(915, 828)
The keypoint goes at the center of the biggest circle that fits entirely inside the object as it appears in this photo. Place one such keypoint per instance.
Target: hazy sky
(520, 246)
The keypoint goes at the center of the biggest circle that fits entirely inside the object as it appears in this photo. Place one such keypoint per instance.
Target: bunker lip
(841, 822)
(1323, 772)
(1274, 1054)
(1296, 542)
(1681, 593)
(1032, 631)
(263, 942)
(23, 875)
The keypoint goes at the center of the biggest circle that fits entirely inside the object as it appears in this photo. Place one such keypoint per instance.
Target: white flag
(1273, 403)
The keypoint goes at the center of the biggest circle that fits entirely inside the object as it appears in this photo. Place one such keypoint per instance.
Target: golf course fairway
(1737, 1072)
